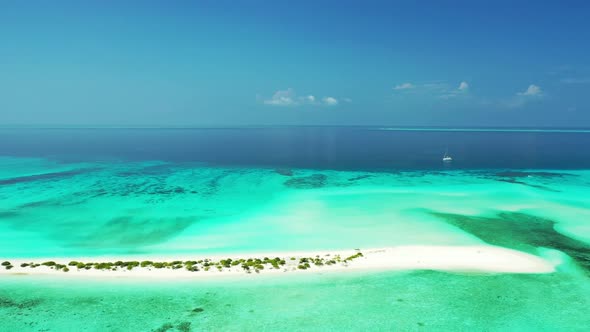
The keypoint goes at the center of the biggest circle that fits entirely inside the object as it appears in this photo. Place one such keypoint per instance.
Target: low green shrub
(146, 263)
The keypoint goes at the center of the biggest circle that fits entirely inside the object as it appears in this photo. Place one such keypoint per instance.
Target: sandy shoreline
(482, 259)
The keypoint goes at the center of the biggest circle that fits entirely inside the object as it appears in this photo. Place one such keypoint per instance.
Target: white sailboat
(446, 157)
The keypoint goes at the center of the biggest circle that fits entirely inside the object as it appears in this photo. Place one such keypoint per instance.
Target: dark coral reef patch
(520, 174)
(307, 182)
(46, 176)
(520, 231)
(284, 171)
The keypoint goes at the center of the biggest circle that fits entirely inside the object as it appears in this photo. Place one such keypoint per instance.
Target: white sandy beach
(483, 259)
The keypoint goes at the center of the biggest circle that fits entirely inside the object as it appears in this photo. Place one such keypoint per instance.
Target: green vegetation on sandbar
(350, 258)
(247, 265)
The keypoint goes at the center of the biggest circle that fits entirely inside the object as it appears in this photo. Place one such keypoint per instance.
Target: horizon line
(372, 127)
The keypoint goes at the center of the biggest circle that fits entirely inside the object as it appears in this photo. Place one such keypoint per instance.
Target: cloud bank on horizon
(288, 97)
(446, 91)
(233, 63)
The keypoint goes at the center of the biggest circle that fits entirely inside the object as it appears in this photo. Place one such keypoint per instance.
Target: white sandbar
(480, 258)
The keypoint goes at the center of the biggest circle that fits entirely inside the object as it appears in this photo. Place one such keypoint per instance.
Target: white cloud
(531, 94)
(289, 98)
(532, 90)
(439, 89)
(330, 101)
(447, 92)
(463, 86)
(282, 98)
(404, 86)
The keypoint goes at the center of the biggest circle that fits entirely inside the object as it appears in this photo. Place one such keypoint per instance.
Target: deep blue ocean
(339, 148)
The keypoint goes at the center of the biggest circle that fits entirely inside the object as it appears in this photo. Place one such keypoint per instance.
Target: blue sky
(204, 63)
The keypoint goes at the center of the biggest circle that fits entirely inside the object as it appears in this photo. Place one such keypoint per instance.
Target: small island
(480, 258)
(246, 265)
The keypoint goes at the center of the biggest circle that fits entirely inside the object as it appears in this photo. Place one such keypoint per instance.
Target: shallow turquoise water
(155, 208)
(53, 209)
(412, 301)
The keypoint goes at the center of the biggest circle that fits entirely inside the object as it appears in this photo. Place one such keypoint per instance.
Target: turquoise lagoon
(401, 301)
(155, 208)
(54, 209)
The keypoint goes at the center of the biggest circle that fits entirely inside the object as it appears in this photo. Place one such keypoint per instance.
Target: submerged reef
(153, 187)
(284, 171)
(360, 177)
(519, 177)
(45, 176)
(158, 169)
(519, 174)
(307, 182)
(182, 327)
(520, 231)
(529, 184)
(26, 304)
